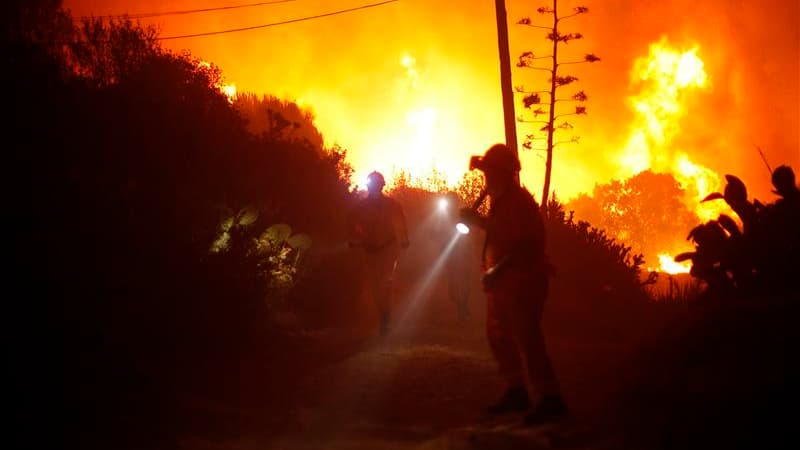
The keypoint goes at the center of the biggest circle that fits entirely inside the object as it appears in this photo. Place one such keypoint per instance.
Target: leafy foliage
(758, 259)
(278, 118)
(591, 265)
(128, 159)
(638, 210)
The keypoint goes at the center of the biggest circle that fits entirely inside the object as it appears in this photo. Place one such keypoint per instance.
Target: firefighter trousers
(379, 268)
(513, 327)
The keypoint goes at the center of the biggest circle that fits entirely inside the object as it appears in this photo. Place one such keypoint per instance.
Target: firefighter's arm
(471, 217)
(523, 253)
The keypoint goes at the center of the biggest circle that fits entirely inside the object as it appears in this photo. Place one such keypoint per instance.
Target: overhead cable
(255, 27)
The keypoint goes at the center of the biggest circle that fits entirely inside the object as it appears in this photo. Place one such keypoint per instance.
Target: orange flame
(666, 76)
(424, 138)
(229, 90)
(668, 265)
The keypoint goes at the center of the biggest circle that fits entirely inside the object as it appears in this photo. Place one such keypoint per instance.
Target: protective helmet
(783, 180)
(375, 179)
(498, 157)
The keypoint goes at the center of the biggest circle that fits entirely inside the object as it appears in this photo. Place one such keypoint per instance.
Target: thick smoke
(348, 70)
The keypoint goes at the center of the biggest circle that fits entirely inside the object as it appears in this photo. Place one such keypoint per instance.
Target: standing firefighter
(515, 282)
(378, 227)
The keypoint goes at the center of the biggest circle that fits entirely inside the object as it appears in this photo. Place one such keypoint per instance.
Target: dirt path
(422, 387)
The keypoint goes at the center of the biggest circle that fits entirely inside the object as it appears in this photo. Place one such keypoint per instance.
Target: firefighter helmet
(375, 179)
(497, 157)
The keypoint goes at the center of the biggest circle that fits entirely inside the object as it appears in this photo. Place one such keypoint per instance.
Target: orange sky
(415, 83)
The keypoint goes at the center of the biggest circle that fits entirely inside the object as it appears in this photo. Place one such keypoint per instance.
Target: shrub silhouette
(120, 180)
(761, 258)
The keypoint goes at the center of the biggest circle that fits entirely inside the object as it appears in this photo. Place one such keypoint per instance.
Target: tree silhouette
(103, 51)
(532, 100)
(271, 116)
(639, 211)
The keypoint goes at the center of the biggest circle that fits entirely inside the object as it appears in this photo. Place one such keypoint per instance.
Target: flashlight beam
(414, 299)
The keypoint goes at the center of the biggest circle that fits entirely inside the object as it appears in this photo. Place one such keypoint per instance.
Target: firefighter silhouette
(378, 228)
(515, 281)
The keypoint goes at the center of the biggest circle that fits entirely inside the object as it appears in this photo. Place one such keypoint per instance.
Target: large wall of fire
(688, 87)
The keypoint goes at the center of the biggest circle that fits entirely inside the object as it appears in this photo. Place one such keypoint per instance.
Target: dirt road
(422, 387)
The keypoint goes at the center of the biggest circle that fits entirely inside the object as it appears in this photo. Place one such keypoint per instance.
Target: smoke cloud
(349, 69)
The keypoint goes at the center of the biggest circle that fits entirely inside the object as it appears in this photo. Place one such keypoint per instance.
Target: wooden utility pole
(509, 118)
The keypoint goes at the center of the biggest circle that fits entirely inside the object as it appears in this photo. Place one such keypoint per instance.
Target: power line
(185, 11)
(301, 19)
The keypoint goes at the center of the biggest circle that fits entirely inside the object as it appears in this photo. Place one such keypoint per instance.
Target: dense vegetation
(126, 163)
(158, 230)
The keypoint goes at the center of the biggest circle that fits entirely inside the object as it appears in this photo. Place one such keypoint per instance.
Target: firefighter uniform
(379, 228)
(515, 299)
(515, 281)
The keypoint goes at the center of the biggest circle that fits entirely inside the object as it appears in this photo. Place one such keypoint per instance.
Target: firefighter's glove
(489, 279)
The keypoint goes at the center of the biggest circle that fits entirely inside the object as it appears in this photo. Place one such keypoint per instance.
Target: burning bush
(646, 211)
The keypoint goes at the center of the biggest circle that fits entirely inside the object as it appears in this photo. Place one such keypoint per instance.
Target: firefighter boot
(514, 400)
(549, 409)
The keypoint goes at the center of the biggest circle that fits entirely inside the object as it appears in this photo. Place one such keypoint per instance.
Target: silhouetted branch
(572, 140)
(589, 58)
(521, 90)
(522, 119)
(578, 11)
(527, 22)
(532, 99)
(565, 80)
(565, 38)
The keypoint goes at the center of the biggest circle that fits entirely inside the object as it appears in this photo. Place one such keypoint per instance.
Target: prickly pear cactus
(275, 252)
(239, 221)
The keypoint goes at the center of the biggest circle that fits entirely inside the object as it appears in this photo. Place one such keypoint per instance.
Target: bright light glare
(463, 229)
(443, 204)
